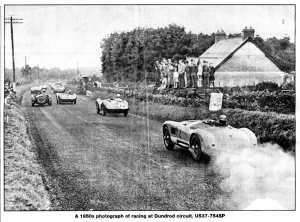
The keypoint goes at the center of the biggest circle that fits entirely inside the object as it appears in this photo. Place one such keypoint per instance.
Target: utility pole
(77, 69)
(11, 21)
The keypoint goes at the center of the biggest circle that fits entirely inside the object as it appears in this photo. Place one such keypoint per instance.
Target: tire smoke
(259, 178)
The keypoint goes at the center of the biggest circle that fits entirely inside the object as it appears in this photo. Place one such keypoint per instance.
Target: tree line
(130, 56)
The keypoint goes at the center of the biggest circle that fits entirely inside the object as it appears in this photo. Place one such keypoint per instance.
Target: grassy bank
(23, 175)
(267, 126)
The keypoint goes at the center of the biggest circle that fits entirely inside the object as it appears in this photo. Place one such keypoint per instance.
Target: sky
(65, 36)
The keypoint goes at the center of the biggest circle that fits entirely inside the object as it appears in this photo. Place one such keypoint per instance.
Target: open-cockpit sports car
(203, 136)
(66, 98)
(58, 88)
(112, 106)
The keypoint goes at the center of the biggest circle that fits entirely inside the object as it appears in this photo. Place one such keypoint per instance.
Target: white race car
(112, 106)
(66, 98)
(203, 136)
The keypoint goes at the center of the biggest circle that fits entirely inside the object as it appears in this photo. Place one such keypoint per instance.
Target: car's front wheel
(97, 108)
(126, 113)
(75, 101)
(103, 108)
(32, 104)
(167, 139)
(196, 148)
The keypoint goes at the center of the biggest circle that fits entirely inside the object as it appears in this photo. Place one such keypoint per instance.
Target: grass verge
(23, 176)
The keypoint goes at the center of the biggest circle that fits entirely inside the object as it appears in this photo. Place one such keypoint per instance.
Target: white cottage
(240, 61)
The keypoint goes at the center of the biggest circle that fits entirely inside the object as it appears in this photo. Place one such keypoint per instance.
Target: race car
(39, 96)
(203, 136)
(66, 98)
(44, 86)
(58, 88)
(112, 106)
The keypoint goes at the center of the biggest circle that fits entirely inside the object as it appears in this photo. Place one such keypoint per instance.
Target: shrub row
(277, 101)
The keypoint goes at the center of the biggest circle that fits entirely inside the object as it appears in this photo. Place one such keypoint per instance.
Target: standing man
(164, 73)
(181, 70)
(199, 74)
(157, 67)
(187, 76)
(206, 73)
(212, 75)
(170, 73)
(194, 71)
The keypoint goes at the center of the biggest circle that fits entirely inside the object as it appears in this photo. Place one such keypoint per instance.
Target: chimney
(248, 33)
(220, 35)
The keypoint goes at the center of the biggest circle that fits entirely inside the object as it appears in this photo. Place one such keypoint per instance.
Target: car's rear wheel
(103, 110)
(32, 104)
(196, 148)
(75, 101)
(126, 113)
(167, 139)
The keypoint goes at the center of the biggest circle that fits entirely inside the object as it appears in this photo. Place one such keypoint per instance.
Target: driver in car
(221, 122)
(118, 98)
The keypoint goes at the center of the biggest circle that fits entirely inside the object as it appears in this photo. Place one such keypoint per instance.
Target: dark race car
(40, 97)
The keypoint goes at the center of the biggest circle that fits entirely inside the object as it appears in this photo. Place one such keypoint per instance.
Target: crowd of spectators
(185, 74)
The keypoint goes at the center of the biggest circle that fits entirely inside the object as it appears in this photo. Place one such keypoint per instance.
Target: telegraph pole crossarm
(12, 21)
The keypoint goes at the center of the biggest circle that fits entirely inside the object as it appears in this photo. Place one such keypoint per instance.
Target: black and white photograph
(148, 111)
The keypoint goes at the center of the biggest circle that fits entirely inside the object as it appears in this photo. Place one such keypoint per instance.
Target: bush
(270, 86)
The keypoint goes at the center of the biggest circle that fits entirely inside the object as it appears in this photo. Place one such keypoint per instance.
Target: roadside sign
(215, 101)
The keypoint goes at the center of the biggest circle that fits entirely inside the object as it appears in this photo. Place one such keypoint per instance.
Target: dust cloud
(259, 178)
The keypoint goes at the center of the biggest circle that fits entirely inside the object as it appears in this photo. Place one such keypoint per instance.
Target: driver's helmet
(43, 91)
(118, 95)
(69, 91)
(223, 119)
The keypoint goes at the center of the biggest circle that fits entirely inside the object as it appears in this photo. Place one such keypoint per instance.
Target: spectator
(181, 70)
(212, 75)
(157, 67)
(193, 71)
(170, 69)
(199, 74)
(187, 75)
(164, 74)
(175, 75)
(206, 74)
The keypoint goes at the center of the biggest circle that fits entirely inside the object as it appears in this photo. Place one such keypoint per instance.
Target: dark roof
(220, 50)
(223, 50)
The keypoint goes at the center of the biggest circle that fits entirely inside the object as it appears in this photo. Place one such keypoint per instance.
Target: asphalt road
(114, 162)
